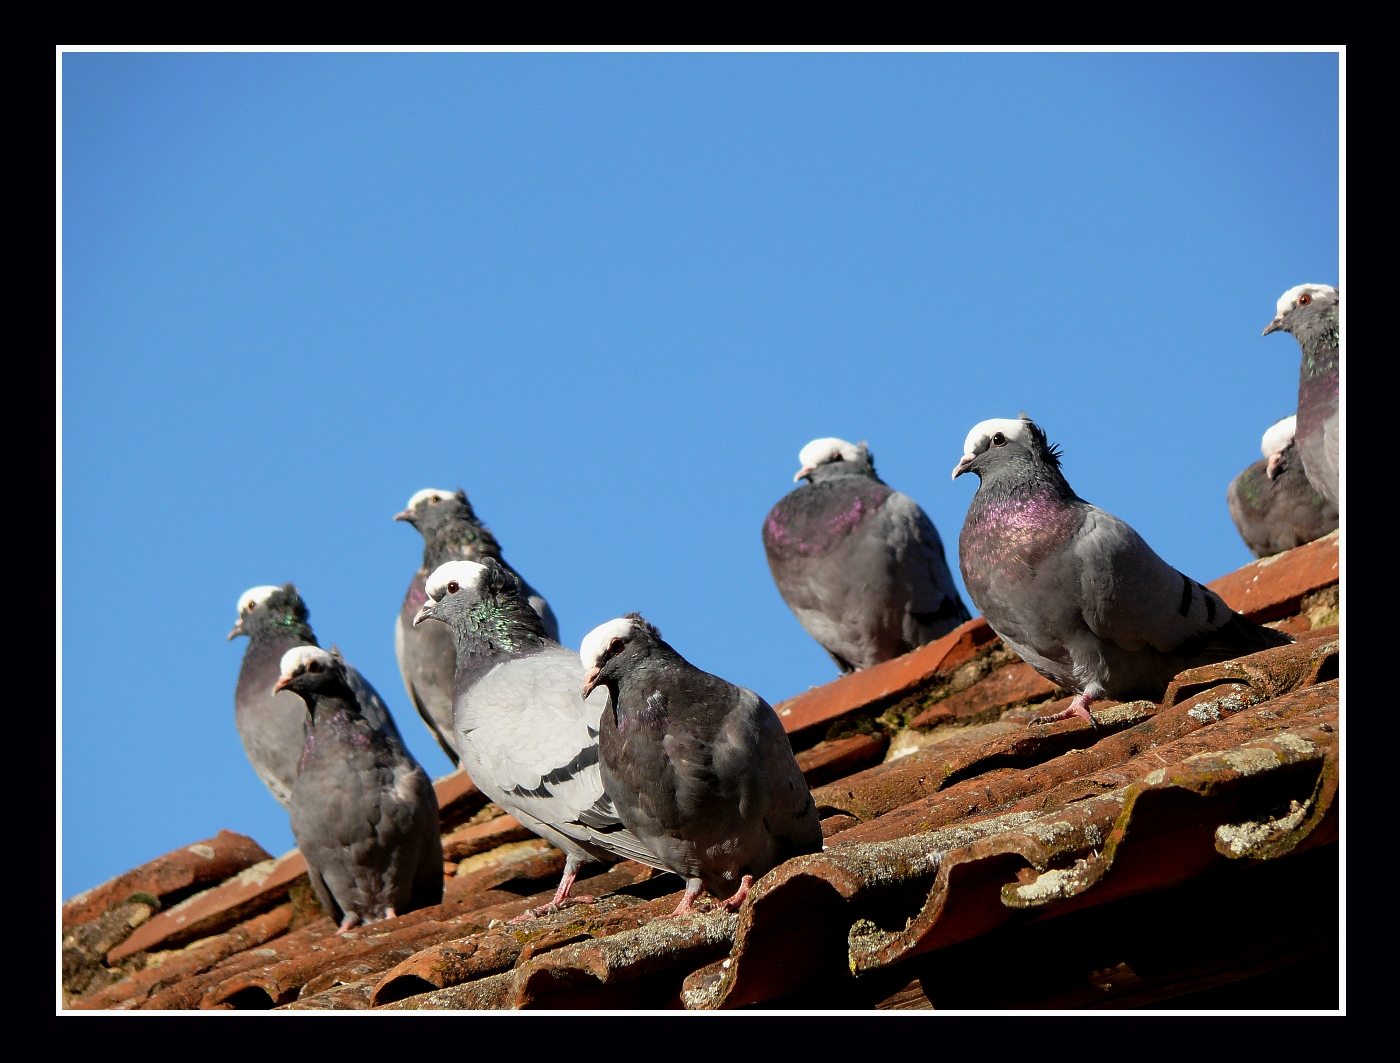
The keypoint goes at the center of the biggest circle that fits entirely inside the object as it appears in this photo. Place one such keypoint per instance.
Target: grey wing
(1132, 598)
(406, 669)
(933, 595)
(535, 738)
(753, 747)
(1331, 443)
(371, 704)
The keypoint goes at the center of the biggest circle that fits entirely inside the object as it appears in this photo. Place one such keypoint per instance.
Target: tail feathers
(1238, 637)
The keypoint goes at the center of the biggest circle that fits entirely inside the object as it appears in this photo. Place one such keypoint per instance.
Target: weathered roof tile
(171, 877)
(1274, 587)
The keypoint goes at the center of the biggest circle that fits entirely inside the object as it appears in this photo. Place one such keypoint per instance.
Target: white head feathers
(1289, 299)
(254, 597)
(1279, 436)
(981, 435)
(822, 451)
(298, 657)
(430, 495)
(450, 577)
(597, 641)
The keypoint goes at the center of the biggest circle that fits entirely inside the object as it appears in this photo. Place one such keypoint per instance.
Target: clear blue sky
(612, 296)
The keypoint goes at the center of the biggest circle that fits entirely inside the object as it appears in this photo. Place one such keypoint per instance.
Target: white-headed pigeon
(1074, 590)
(527, 736)
(1311, 313)
(271, 724)
(364, 813)
(427, 656)
(699, 769)
(860, 564)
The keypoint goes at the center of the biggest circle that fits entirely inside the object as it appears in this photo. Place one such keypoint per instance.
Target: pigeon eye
(998, 440)
(1304, 299)
(452, 587)
(434, 498)
(314, 666)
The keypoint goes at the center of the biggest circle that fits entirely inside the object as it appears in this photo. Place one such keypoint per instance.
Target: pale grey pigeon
(1074, 590)
(526, 735)
(699, 769)
(364, 812)
(1311, 313)
(1274, 506)
(860, 565)
(271, 724)
(427, 656)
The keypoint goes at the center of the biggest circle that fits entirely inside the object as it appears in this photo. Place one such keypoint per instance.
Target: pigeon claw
(1078, 707)
(552, 907)
(736, 902)
(350, 921)
(687, 903)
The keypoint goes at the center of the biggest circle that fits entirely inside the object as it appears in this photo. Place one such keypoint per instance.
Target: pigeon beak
(237, 630)
(590, 680)
(1273, 326)
(803, 473)
(962, 466)
(425, 613)
(1275, 460)
(406, 515)
(282, 683)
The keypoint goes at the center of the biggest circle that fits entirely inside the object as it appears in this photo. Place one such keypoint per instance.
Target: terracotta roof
(1152, 859)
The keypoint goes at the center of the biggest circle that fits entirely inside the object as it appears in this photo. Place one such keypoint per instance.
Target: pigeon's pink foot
(735, 902)
(559, 901)
(348, 923)
(687, 905)
(389, 913)
(1078, 707)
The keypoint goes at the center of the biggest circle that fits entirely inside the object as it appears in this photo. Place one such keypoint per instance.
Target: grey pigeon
(427, 657)
(527, 737)
(699, 769)
(1310, 313)
(364, 813)
(1075, 591)
(860, 564)
(271, 725)
(1273, 505)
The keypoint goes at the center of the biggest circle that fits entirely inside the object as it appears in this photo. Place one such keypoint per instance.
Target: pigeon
(860, 564)
(1310, 312)
(364, 812)
(427, 655)
(1074, 590)
(275, 619)
(527, 738)
(699, 769)
(1273, 505)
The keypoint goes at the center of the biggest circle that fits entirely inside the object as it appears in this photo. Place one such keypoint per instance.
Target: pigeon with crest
(363, 811)
(1074, 590)
(699, 769)
(860, 564)
(427, 656)
(526, 735)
